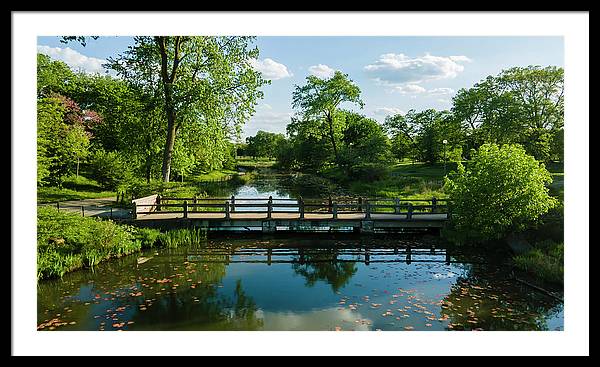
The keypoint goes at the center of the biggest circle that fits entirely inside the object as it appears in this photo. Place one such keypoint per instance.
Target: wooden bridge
(363, 215)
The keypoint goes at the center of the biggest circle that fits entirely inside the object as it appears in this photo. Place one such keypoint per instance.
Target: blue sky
(395, 74)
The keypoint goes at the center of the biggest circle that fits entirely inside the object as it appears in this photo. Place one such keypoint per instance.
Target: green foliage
(180, 237)
(52, 77)
(68, 241)
(263, 144)
(364, 143)
(545, 262)
(520, 105)
(205, 84)
(502, 189)
(147, 237)
(111, 170)
(310, 186)
(62, 139)
(421, 135)
(318, 101)
(369, 172)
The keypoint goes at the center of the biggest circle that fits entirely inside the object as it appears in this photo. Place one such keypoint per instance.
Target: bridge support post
(433, 204)
(134, 210)
(269, 226)
(185, 209)
(195, 208)
(227, 214)
(335, 211)
(301, 207)
(232, 203)
(330, 205)
(158, 202)
(410, 211)
(270, 207)
(58, 205)
(397, 206)
(82, 211)
(368, 213)
(360, 204)
(366, 226)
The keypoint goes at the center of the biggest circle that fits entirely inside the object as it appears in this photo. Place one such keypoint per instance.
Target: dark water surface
(296, 284)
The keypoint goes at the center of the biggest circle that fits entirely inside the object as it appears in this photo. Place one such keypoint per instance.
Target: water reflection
(295, 284)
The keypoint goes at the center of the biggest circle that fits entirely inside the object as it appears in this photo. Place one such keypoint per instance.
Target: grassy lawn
(408, 180)
(250, 163)
(74, 188)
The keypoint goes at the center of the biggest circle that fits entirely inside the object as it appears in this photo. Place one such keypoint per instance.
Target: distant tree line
(521, 105)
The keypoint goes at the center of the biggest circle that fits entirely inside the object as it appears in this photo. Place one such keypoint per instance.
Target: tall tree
(320, 98)
(204, 80)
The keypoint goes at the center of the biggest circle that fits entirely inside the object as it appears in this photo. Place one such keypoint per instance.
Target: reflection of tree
(164, 293)
(322, 264)
(479, 302)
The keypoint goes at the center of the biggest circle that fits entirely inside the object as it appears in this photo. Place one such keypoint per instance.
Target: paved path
(100, 207)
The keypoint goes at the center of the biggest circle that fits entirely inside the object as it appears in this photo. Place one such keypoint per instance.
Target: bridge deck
(284, 216)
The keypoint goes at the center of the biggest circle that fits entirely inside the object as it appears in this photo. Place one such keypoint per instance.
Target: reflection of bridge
(272, 214)
(302, 255)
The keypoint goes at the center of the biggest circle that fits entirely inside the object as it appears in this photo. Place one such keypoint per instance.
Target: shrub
(503, 189)
(111, 170)
(369, 172)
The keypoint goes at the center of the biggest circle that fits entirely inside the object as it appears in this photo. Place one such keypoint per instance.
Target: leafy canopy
(502, 189)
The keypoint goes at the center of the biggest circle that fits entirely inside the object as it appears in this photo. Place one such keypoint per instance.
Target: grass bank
(545, 262)
(67, 241)
(74, 188)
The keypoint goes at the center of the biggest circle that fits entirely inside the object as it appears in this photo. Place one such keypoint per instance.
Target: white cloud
(408, 88)
(321, 71)
(398, 69)
(74, 59)
(270, 69)
(387, 111)
(440, 91)
(267, 119)
(460, 59)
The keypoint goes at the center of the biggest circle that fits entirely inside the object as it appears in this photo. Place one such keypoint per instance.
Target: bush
(503, 189)
(369, 172)
(68, 241)
(111, 170)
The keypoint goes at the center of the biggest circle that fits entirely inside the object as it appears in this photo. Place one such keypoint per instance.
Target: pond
(308, 283)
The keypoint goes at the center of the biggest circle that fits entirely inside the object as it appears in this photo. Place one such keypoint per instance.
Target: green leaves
(501, 189)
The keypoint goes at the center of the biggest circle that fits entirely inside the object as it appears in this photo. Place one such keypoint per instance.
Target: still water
(296, 284)
(319, 282)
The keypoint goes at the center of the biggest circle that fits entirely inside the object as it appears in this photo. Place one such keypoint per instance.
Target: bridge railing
(225, 206)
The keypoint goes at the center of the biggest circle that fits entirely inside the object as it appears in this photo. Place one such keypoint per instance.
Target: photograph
(328, 182)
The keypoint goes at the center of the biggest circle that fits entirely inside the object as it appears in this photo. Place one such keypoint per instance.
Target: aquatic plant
(185, 236)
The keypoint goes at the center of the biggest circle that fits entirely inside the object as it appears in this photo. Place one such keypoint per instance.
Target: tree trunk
(148, 167)
(332, 138)
(167, 81)
(171, 132)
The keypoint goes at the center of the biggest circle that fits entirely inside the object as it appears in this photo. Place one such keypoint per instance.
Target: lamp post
(445, 144)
